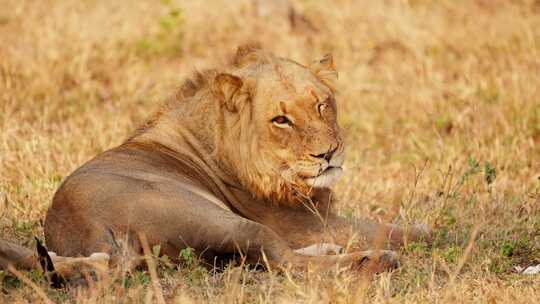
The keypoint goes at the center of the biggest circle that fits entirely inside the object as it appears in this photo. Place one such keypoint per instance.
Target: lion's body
(213, 171)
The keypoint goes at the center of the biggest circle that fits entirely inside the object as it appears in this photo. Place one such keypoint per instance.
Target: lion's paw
(377, 261)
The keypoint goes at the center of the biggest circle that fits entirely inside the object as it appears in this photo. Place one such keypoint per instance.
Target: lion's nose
(327, 155)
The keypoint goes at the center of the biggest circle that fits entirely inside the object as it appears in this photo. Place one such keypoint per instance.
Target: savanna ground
(440, 101)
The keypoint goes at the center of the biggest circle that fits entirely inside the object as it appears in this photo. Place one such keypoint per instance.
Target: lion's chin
(326, 179)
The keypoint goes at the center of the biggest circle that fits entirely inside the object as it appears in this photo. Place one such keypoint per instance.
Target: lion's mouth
(325, 178)
(329, 170)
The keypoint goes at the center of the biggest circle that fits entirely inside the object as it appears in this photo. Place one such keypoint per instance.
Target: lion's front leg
(365, 233)
(221, 232)
(313, 233)
(318, 224)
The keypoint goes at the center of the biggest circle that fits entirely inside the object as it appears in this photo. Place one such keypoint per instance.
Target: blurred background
(439, 101)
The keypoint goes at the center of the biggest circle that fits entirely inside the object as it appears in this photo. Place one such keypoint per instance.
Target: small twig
(465, 254)
(417, 176)
(152, 269)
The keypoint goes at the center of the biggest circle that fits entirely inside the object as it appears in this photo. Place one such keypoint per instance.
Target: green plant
(167, 40)
(193, 271)
(136, 278)
(490, 173)
(452, 254)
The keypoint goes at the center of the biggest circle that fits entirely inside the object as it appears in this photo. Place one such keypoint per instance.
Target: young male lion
(240, 160)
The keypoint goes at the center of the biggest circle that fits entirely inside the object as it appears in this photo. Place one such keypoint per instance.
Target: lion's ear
(325, 70)
(246, 54)
(227, 86)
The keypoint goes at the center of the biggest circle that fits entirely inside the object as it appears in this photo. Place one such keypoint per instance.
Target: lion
(241, 160)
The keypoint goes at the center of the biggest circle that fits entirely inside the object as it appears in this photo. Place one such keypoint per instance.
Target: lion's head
(281, 134)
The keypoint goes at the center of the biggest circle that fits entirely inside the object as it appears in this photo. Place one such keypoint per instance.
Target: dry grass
(440, 101)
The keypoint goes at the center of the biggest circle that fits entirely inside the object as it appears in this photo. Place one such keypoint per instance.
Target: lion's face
(297, 126)
(284, 116)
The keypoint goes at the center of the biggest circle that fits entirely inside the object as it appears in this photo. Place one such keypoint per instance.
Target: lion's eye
(282, 121)
(321, 107)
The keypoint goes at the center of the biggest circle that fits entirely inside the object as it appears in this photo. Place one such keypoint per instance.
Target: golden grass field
(440, 102)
